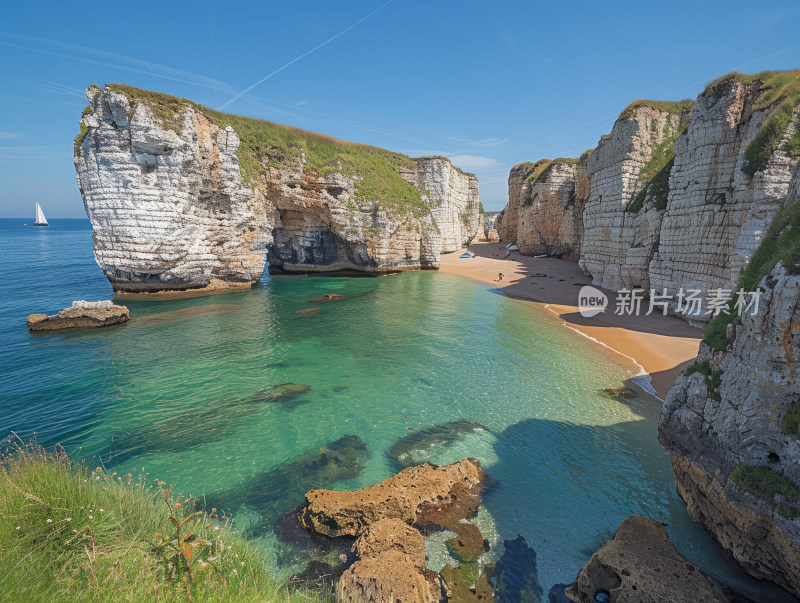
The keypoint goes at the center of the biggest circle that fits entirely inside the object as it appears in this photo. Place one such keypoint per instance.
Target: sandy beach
(659, 345)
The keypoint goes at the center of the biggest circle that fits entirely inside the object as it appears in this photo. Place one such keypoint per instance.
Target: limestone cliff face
(454, 200)
(618, 244)
(178, 200)
(168, 211)
(736, 458)
(717, 213)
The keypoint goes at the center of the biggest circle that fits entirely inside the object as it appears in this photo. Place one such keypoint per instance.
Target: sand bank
(659, 345)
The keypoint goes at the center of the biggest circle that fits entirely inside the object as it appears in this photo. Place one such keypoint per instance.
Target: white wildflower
(49, 520)
(235, 572)
(68, 519)
(91, 516)
(102, 510)
(242, 564)
(18, 527)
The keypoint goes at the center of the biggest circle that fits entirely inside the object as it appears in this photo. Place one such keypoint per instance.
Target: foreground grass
(73, 535)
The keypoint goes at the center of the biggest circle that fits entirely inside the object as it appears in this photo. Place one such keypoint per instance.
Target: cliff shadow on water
(586, 472)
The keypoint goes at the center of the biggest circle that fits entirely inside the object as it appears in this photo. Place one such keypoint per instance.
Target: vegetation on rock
(791, 422)
(713, 377)
(781, 88)
(777, 491)
(680, 107)
(70, 534)
(781, 243)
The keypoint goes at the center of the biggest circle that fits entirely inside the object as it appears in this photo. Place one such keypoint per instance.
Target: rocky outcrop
(390, 567)
(618, 244)
(549, 218)
(453, 198)
(183, 197)
(641, 564)
(81, 315)
(421, 495)
(731, 426)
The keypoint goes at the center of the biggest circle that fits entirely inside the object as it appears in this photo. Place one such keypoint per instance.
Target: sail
(40, 219)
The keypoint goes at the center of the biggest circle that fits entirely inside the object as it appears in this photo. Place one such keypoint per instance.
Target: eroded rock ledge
(641, 564)
(732, 426)
(81, 315)
(184, 197)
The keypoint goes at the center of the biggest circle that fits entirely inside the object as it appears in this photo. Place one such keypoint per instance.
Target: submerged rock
(641, 564)
(421, 495)
(272, 493)
(328, 297)
(467, 582)
(390, 567)
(516, 573)
(309, 312)
(405, 450)
(196, 427)
(81, 315)
(624, 393)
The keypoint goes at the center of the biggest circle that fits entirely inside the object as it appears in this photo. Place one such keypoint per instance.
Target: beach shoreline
(655, 345)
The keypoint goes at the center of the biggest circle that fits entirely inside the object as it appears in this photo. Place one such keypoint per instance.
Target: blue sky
(487, 84)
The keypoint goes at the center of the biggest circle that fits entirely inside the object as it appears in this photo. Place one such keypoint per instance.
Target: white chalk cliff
(179, 199)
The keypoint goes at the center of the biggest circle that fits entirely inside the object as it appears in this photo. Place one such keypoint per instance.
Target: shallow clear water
(403, 353)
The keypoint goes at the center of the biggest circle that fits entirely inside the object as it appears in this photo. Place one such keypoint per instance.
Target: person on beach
(499, 277)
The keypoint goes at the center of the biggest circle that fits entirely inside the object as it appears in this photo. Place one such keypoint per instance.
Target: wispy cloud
(10, 135)
(304, 55)
(483, 142)
(473, 161)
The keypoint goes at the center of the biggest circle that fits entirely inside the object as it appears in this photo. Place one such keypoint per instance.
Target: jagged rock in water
(468, 582)
(183, 197)
(81, 315)
(421, 495)
(728, 425)
(641, 564)
(406, 450)
(390, 567)
(516, 573)
(273, 493)
(196, 427)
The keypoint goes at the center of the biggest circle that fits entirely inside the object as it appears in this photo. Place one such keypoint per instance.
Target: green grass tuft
(791, 422)
(675, 107)
(780, 244)
(81, 136)
(766, 484)
(713, 377)
(266, 144)
(72, 535)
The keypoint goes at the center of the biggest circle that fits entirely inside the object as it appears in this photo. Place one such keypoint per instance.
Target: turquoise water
(403, 353)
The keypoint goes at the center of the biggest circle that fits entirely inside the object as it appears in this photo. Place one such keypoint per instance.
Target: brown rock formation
(641, 564)
(81, 315)
(421, 495)
(390, 567)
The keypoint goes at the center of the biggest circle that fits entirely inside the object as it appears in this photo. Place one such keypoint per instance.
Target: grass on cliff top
(781, 87)
(780, 244)
(67, 534)
(267, 144)
(675, 107)
(766, 484)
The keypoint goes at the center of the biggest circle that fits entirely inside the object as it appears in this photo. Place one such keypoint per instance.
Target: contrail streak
(304, 55)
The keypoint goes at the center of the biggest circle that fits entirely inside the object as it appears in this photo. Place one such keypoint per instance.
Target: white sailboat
(40, 219)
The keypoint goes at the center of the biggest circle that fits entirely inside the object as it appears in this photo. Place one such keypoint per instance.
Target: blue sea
(178, 394)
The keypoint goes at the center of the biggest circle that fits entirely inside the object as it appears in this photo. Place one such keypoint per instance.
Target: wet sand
(658, 345)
